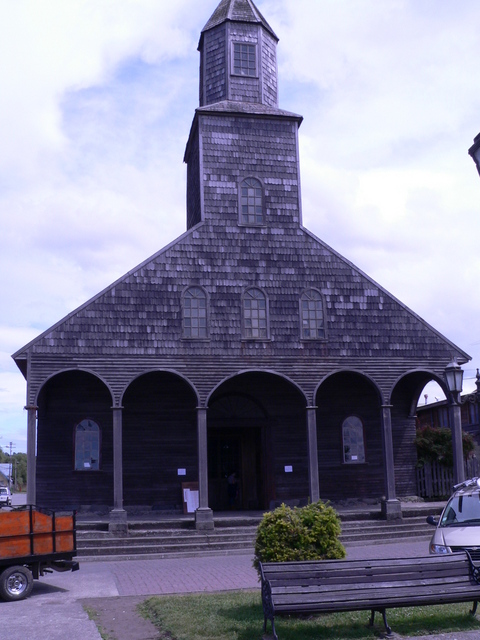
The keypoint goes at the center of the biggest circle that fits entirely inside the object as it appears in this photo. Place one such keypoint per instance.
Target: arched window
(251, 202)
(311, 315)
(194, 313)
(255, 322)
(87, 446)
(353, 440)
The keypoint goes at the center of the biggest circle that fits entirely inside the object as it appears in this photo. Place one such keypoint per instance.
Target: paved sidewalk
(55, 611)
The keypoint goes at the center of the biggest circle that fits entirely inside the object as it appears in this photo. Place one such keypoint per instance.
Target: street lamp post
(454, 380)
(474, 151)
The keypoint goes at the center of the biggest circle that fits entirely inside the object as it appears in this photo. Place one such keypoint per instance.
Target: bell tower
(238, 59)
(242, 152)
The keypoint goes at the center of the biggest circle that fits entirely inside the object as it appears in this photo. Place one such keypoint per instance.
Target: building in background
(437, 414)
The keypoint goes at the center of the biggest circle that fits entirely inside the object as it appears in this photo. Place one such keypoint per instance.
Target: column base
(118, 524)
(392, 509)
(204, 519)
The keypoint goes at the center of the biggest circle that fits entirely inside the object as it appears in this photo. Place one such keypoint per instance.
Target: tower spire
(237, 11)
(238, 58)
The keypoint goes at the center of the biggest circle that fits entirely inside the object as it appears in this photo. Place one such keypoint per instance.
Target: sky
(96, 105)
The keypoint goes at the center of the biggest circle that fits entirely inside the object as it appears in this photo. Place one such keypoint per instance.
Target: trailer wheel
(16, 583)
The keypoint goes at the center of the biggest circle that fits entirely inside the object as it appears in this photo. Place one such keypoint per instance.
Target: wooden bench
(330, 586)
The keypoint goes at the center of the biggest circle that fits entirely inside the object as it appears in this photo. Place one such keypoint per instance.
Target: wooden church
(247, 346)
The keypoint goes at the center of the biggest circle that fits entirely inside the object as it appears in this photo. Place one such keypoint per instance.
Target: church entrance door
(235, 470)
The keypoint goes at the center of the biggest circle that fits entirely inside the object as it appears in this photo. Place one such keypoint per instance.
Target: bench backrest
(323, 584)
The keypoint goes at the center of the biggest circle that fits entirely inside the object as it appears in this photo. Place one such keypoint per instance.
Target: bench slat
(377, 595)
(325, 589)
(328, 565)
(328, 581)
(342, 571)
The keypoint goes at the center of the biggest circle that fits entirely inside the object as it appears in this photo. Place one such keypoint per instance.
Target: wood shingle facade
(246, 345)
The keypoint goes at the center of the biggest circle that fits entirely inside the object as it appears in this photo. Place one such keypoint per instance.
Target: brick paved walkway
(184, 575)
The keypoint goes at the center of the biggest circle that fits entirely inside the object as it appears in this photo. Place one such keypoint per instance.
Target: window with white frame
(353, 440)
(194, 313)
(255, 314)
(87, 446)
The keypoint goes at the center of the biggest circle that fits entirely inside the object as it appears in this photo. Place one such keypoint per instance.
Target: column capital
(31, 407)
(387, 406)
(311, 407)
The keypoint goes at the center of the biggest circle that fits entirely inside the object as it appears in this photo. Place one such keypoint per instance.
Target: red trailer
(33, 542)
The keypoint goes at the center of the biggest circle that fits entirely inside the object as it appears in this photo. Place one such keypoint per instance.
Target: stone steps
(367, 531)
(174, 537)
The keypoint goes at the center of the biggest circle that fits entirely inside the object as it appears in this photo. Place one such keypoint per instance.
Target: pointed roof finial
(237, 11)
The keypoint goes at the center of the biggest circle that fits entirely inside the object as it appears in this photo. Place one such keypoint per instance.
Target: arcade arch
(159, 441)
(257, 427)
(64, 401)
(342, 396)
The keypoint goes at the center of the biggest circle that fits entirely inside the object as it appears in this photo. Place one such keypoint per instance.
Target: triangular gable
(179, 262)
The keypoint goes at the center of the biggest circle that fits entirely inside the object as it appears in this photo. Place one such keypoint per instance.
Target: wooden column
(31, 454)
(203, 515)
(391, 507)
(118, 516)
(313, 481)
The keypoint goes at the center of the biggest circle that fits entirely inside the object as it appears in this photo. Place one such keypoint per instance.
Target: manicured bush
(435, 445)
(301, 533)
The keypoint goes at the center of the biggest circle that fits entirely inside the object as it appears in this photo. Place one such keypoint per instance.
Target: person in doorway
(232, 489)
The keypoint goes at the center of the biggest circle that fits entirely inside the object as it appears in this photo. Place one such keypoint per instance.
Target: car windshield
(461, 511)
(3, 490)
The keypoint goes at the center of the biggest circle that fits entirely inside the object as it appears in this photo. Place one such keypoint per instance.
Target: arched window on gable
(87, 446)
(311, 315)
(251, 202)
(255, 314)
(194, 313)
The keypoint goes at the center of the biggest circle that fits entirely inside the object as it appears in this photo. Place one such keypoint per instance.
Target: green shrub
(301, 533)
(435, 445)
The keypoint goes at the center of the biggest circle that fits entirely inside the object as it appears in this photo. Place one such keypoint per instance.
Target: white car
(458, 528)
(5, 497)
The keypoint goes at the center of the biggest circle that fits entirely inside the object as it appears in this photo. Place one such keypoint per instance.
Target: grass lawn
(238, 615)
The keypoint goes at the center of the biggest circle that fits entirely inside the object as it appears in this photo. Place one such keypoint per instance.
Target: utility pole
(10, 446)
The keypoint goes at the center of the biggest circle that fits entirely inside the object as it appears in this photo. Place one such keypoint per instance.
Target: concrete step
(166, 542)
(167, 534)
(195, 548)
(145, 539)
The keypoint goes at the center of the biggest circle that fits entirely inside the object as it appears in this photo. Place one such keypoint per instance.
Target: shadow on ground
(118, 619)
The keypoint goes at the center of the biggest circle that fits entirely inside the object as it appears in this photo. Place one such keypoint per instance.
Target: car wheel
(16, 583)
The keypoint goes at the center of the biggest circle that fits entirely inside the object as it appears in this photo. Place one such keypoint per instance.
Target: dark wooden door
(235, 451)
